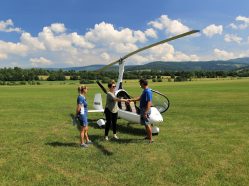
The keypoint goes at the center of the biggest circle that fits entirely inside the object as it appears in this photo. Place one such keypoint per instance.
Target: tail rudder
(97, 103)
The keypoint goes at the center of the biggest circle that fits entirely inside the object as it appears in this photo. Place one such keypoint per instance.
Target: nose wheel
(155, 130)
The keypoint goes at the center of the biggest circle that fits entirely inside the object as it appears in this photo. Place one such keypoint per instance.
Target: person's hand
(145, 115)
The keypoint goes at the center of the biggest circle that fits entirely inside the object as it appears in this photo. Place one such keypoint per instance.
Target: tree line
(34, 74)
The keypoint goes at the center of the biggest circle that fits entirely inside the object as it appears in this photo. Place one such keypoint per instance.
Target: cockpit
(131, 106)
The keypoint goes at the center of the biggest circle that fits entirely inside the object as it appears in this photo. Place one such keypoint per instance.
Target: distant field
(203, 141)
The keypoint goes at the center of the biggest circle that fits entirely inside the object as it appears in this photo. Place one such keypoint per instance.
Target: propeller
(147, 47)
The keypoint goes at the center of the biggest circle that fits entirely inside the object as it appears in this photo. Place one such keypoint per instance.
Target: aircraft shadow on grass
(76, 145)
(98, 138)
(121, 128)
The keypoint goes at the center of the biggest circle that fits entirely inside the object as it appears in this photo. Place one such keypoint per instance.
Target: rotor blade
(160, 42)
(149, 46)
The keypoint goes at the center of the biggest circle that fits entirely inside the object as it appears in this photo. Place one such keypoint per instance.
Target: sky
(70, 33)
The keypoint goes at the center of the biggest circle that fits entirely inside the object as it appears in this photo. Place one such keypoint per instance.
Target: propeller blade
(149, 46)
(102, 87)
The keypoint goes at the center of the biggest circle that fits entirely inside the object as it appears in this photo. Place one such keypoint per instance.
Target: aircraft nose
(156, 116)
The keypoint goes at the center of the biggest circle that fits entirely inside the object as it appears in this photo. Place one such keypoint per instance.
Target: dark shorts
(83, 120)
(144, 121)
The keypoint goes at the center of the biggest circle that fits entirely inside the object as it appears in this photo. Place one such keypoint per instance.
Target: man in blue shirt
(145, 104)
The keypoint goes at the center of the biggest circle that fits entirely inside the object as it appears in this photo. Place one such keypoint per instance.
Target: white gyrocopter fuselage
(129, 111)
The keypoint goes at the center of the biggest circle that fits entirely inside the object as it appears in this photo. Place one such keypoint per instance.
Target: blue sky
(49, 33)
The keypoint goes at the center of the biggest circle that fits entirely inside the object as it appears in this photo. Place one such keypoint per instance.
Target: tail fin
(97, 103)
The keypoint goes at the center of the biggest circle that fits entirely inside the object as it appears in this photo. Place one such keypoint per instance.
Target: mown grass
(203, 141)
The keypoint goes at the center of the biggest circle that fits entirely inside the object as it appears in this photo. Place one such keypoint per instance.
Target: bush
(105, 80)
(56, 77)
(2, 83)
(11, 83)
(86, 81)
(154, 80)
(180, 78)
(74, 77)
(22, 83)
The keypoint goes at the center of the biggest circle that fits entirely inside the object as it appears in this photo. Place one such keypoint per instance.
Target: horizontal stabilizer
(95, 111)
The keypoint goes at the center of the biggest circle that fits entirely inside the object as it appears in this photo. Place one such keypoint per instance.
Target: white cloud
(212, 30)
(105, 56)
(232, 38)
(151, 33)
(58, 27)
(3, 56)
(223, 55)
(242, 23)
(122, 48)
(165, 52)
(106, 33)
(118, 42)
(233, 26)
(179, 56)
(140, 36)
(8, 26)
(101, 44)
(245, 21)
(8, 48)
(52, 42)
(31, 42)
(172, 26)
(80, 41)
(37, 62)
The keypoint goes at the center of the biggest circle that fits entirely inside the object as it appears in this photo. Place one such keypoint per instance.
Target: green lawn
(204, 139)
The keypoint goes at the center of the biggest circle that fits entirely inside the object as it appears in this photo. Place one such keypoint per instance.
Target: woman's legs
(82, 135)
(114, 122)
(108, 121)
(86, 133)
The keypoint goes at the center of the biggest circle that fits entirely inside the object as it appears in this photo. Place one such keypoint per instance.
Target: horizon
(75, 33)
(70, 67)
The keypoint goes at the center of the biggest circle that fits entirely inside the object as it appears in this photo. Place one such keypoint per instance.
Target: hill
(218, 65)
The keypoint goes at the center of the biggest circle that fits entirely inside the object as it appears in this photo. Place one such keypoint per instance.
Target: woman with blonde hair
(81, 113)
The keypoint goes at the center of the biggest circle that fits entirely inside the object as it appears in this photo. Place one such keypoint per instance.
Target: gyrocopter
(129, 111)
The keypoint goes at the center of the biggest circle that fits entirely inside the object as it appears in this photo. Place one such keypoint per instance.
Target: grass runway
(204, 139)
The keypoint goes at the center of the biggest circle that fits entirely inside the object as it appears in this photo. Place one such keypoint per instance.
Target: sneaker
(115, 136)
(106, 138)
(152, 141)
(89, 142)
(83, 145)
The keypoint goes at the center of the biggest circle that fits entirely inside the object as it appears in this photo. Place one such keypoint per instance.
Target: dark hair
(143, 82)
(111, 83)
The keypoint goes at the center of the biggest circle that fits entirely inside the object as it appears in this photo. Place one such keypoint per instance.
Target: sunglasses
(114, 86)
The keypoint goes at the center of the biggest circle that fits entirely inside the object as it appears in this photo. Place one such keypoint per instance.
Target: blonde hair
(81, 88)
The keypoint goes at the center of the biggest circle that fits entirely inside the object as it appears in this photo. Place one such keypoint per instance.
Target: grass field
(203, 141)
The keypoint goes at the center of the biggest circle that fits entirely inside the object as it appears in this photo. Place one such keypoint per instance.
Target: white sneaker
(115, 136)
(106, 138)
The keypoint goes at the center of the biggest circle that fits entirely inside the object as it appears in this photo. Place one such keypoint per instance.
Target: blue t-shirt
(145, 98)
(82, 101)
